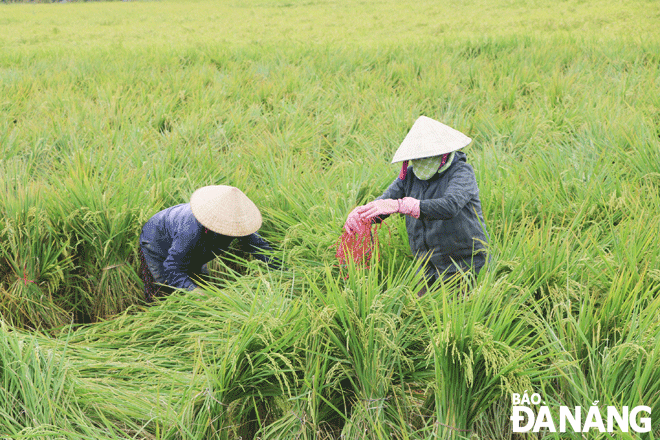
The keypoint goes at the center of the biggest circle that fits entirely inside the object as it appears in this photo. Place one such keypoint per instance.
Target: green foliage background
(110, 112)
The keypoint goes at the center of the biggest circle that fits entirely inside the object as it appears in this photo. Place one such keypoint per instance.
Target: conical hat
(225, 210)
(428, 138)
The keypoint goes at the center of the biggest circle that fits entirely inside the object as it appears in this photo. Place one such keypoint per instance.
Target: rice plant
(301, 105)
(102, 220)
(37, 259)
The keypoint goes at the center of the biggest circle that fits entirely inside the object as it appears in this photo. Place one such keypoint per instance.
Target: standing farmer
(176, 243)
(439, 195)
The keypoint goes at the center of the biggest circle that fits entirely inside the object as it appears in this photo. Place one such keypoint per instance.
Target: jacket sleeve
(260, 249)
(394, 191)
(462, 187)
(178, 257)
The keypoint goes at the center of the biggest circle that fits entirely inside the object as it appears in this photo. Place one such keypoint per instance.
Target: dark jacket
(450, 228)
(182, 245)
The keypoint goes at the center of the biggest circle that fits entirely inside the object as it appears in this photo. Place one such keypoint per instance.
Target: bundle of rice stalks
(107, 251)
(478, 355)
(105, 222)
(365, 348)
(38, 261)
(253, 372)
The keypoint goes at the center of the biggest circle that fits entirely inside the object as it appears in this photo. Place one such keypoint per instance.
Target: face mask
(426, 168)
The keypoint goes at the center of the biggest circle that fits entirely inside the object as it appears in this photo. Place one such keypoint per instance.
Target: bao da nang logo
(578, 419)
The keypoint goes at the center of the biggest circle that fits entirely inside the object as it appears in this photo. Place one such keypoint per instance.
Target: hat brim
(428, 138)
(225, 210)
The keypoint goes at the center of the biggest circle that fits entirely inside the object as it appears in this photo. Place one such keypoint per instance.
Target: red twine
(25, 278)
(358, 245)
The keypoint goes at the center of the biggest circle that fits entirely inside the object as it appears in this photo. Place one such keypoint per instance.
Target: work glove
(353, 221)
(409, 206)
(378, 208)
(406, 205)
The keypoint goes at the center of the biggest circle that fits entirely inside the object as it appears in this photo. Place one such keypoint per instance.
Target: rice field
(110, 112)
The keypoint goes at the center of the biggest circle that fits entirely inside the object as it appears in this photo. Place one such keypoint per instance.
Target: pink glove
(409, 206)
(353, 221)
(406, 205)
(378, 208)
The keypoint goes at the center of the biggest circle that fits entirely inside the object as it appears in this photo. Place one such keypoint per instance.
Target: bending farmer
(439, 195)
(176, 243)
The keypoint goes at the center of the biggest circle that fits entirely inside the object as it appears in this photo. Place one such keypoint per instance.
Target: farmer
(439, 195)
(176, 243)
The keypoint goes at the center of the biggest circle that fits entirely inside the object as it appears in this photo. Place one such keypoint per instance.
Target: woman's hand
(353, 221)
(378, 208)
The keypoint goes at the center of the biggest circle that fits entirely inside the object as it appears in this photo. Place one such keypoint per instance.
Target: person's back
(177, 242)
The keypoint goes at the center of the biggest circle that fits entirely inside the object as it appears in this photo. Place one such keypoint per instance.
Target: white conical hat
(225, 210)
(428, 138)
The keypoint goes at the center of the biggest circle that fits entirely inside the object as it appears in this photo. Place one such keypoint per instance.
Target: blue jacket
(451, 228)
(182, 245)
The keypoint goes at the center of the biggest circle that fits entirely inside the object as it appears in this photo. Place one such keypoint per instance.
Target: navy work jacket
(175, 238)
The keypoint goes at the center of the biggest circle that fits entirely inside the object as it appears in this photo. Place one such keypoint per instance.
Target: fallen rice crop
(112, 111)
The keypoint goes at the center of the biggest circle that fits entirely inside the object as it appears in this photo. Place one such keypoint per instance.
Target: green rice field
(112, 111)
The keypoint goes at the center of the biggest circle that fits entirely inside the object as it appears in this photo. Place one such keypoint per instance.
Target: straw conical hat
(428, 138)
(225, 210)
